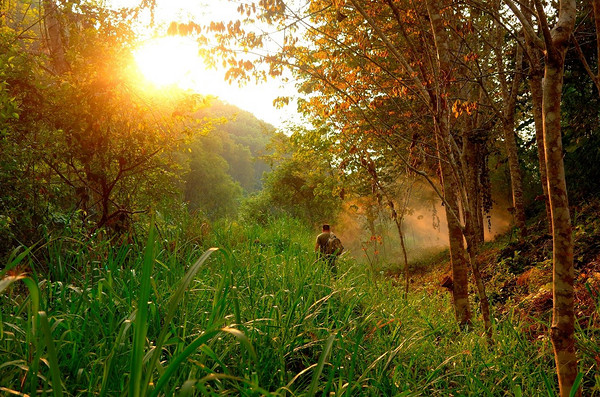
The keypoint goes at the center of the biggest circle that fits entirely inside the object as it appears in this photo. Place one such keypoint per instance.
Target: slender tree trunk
(469, 165)
(401, 233)
(458, 260)
(54, 37)
(563, 316)
(595, 76)
(370, 214)
(536, 72)
(369, 164)
(471, 171)
(398, 222)
(555, 43)
(516, 180)
(474, 151)
(480, 219)
(596, 6)
(406, 268)
(470, 161)
(460, 292)
(509, 99)
(535, 84)
(484, 304)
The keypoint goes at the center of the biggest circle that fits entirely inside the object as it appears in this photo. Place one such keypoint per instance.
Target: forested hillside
(155, 240)
(227, 162)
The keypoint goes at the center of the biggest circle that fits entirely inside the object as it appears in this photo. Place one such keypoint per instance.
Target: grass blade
(52, 357)
(34, 290)
(576, 385)
(141, 319)
(109, 361)
(34, 295)
(32, 338)
(6, 281)
(548, 384)
(321, 365)
(15, 259)
(243, 339)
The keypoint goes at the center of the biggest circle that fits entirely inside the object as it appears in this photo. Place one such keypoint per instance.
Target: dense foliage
(87, 147)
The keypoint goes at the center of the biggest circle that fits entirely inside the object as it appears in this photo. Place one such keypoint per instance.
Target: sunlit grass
(257, 317)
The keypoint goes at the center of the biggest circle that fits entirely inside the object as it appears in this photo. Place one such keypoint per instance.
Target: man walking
(328, 247)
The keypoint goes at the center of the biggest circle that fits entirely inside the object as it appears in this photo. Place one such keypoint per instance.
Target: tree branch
(527, 27)
(586, 65)
(541, 14)
(596, 6)
(421, 88)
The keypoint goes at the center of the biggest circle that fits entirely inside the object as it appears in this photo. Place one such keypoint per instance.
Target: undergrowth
(257, 317)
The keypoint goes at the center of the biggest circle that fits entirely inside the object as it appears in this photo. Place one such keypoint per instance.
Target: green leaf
(170, 370)
(517, 391)
(243, 339)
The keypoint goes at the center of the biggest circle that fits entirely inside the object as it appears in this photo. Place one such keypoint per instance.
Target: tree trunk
(370, 215)
(555, 43)
(471, 171)
(535, 84)
(398, 222)
(596, 7)
(460, 292)
(516, 180)
(536, 72)
(484, 304)
(469, 163)
(480, 216)
(54, 37)
(509, 100)
(406, 268)
(563, 316)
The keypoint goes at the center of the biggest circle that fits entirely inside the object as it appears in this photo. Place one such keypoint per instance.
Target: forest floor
(518, 274)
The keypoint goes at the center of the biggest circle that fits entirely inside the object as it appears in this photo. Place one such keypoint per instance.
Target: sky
(255, 98)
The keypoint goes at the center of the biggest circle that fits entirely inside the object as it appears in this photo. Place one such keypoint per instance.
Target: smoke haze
(370, 235)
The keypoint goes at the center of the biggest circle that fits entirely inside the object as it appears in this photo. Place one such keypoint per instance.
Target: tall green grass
(257, 317)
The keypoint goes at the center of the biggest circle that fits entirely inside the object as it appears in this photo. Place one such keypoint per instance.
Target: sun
(164, 65)
(170, 61)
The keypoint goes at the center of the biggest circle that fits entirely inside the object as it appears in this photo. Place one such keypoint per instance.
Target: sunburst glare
(171, 60)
